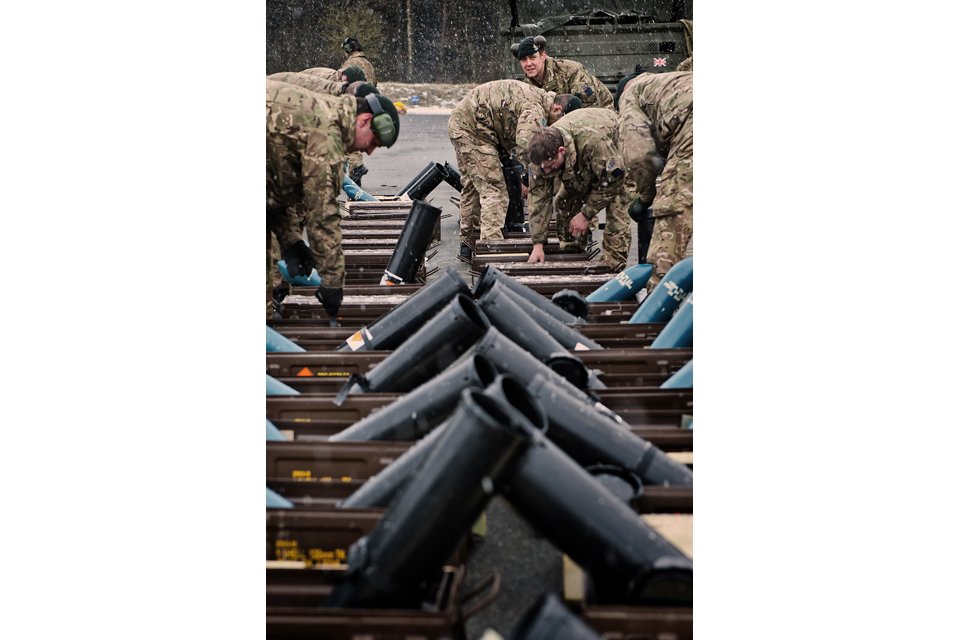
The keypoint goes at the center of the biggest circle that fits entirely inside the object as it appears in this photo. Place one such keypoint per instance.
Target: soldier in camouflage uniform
(558, 75)
(491, 121)
(333, 75)
(581, 149)
(317, 84)
(347, 74)
(308, 137)
(355, 56)
(656, 122)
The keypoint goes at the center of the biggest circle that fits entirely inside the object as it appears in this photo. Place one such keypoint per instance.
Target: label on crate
(287, 550)
(390, 278)
(355, 341)
(321, 556)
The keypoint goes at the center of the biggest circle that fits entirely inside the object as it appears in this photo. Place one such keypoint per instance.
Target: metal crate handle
(492, 581)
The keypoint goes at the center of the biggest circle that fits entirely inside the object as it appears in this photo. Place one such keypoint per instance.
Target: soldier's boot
(358, 173)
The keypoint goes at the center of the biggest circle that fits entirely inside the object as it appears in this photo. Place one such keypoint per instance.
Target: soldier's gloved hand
(330, 299)
(299, 259)
(637, 208)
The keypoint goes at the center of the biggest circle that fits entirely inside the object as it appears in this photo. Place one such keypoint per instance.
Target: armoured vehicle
(608, 37)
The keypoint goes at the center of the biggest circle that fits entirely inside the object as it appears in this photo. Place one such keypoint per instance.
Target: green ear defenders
(382, 124)
(346, 45)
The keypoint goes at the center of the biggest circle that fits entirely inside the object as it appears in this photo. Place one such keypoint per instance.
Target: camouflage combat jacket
(503, 113)
(592, 169)
(568, 76)
(653, 112)
(308, 135)
(357, 59)
(324, 72)
(315, 83)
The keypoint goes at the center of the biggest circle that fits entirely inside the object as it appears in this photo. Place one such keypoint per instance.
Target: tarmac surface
(528, 564)
(423, 140)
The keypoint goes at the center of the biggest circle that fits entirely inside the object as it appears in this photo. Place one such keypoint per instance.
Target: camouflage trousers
(672, 242)
(483, 200)
(616, 231)
(675, 193)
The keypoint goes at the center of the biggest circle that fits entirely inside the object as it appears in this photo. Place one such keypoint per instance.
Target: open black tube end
(571, 368)
(487, 277)
(498, 414)
(514, 391)
(666, 587)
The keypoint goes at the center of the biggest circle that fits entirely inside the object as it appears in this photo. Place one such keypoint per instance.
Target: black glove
(299, 259)
(637, 210)
(330, 299)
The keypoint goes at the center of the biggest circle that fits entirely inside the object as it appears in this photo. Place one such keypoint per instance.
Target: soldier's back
(290, 106)
(308, 81)
(358, 59)
(666, 91)
(589, 121)
(324, 72)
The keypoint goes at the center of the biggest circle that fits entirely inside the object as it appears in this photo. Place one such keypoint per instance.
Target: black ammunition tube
(489, 275)
(380, 490)
(621, 482)
(420, 530)
(452, 176)
(572, 302)
(416, 179)
(402, 321)
(427, 183)
(627, 559)
(509, 357)
(513, 322)
(548, 619)
(437, 345)
(565, 335)
(512, 170)
(414, 414)
(590, 438)
(513, 391)
(412, 244)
